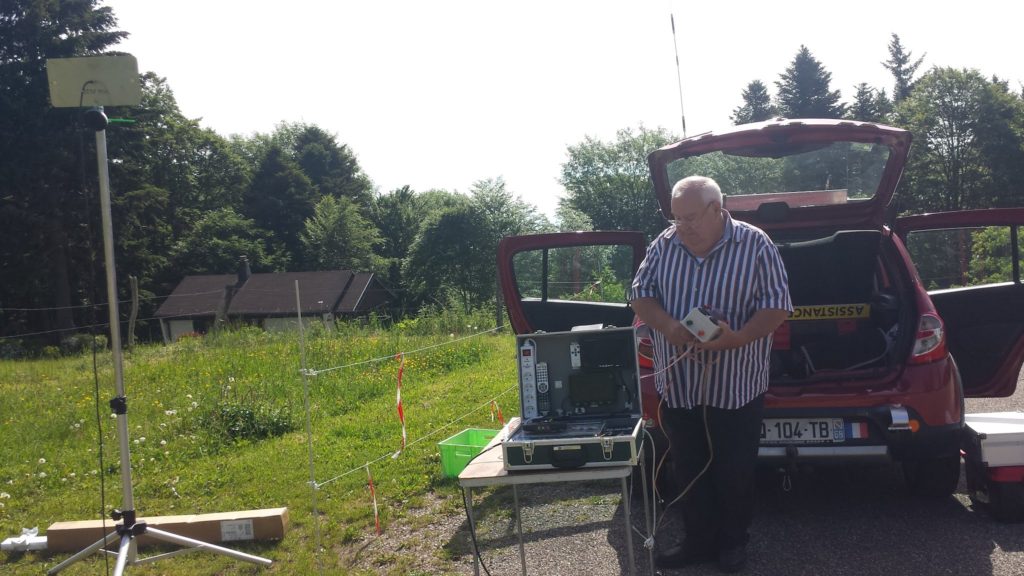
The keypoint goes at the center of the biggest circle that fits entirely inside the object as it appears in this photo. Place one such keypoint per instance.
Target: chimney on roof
(244, 272)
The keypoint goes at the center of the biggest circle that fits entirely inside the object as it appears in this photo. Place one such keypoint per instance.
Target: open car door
(553, 282)
(970, 263)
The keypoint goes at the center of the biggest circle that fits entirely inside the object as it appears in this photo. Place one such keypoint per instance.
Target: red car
(894, 325)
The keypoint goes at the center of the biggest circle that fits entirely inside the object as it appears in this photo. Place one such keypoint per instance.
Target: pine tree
(901, 68)
(757, 105)
(803, 89)
(869, 105)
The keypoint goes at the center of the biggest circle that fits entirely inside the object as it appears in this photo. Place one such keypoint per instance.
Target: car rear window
(811, 175)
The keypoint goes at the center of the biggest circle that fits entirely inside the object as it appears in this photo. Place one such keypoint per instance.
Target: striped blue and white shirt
(742, 274)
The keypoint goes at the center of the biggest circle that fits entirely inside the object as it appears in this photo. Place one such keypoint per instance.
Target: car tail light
(930, 342)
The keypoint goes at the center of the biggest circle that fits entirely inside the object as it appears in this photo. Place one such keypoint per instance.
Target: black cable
(472, 533)
(469, 519)
(92, 330)
(99, 435)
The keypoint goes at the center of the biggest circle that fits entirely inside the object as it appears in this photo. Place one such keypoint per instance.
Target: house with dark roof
(272, 300)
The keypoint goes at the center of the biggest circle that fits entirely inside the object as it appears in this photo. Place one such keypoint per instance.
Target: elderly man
(712, 392)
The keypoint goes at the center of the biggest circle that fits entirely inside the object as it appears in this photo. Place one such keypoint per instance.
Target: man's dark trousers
(718, 509)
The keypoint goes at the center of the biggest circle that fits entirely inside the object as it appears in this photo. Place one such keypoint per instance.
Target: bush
(236, 422)
(12, 350)
(251, 416)
(81, 343)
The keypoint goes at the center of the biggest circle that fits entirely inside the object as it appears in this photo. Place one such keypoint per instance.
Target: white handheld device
(702, 324)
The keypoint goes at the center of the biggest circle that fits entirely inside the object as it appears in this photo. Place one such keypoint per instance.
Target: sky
(441, 94)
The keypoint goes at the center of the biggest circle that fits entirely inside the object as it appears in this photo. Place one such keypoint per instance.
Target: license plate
(802, 430)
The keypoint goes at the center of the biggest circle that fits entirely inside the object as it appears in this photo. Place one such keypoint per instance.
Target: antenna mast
(679, 76)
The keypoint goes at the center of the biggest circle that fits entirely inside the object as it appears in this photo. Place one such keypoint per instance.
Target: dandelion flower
(42, 460)
(163, 442)
(4, 495)
(42, 474)
(170, 412)
(189, 396)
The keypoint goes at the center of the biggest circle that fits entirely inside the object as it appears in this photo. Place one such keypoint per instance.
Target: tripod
(130, 527)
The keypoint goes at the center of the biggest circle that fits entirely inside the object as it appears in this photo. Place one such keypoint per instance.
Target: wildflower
(64, 479)
(77, 425)
(142, 439)
(113, 415)
(42, 460)
(42, 474)
(163, 442)
(72, 474)
(189, 396)
(4, 495)
(231, 378)
(170, 412)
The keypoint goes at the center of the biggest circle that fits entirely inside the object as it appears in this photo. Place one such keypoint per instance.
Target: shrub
(81, 343)
(12, 350)
(251, 416)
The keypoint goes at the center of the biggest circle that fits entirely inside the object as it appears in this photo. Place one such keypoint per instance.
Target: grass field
(218, 424)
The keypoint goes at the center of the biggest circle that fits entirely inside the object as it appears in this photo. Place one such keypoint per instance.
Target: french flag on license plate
(856, 430)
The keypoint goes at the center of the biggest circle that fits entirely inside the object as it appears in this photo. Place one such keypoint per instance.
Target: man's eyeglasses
(691, 221)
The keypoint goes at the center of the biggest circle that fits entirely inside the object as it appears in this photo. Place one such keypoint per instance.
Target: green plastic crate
(457, 451)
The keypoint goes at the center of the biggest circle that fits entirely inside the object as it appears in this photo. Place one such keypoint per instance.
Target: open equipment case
(579, 395)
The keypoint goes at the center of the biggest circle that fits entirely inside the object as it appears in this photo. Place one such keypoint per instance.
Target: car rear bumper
(894, 433)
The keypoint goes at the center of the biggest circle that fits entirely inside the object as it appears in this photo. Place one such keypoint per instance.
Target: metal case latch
(528, 452)
(606, 446)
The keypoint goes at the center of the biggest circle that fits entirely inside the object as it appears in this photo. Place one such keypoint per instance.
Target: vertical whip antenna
(679, 76)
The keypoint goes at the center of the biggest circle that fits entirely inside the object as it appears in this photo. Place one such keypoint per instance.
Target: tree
(397, 215)
(869, 105)
(804, 92)
(610, 182)
(281, 199)
(1000, 133)
(337, 237)
(445, 264)
(167, 172)
(757, 105)
(331, 167)
(506, 214)
(219, 239)
(42, 194)
(946, 170)
(899, 64)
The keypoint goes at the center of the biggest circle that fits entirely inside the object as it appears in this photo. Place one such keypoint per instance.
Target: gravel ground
(838, 521)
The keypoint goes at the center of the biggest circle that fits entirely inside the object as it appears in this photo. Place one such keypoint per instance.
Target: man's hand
(727, 339)
(679, 336)
(760, 325)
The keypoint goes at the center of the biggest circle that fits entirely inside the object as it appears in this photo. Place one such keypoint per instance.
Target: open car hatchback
(895, 320)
